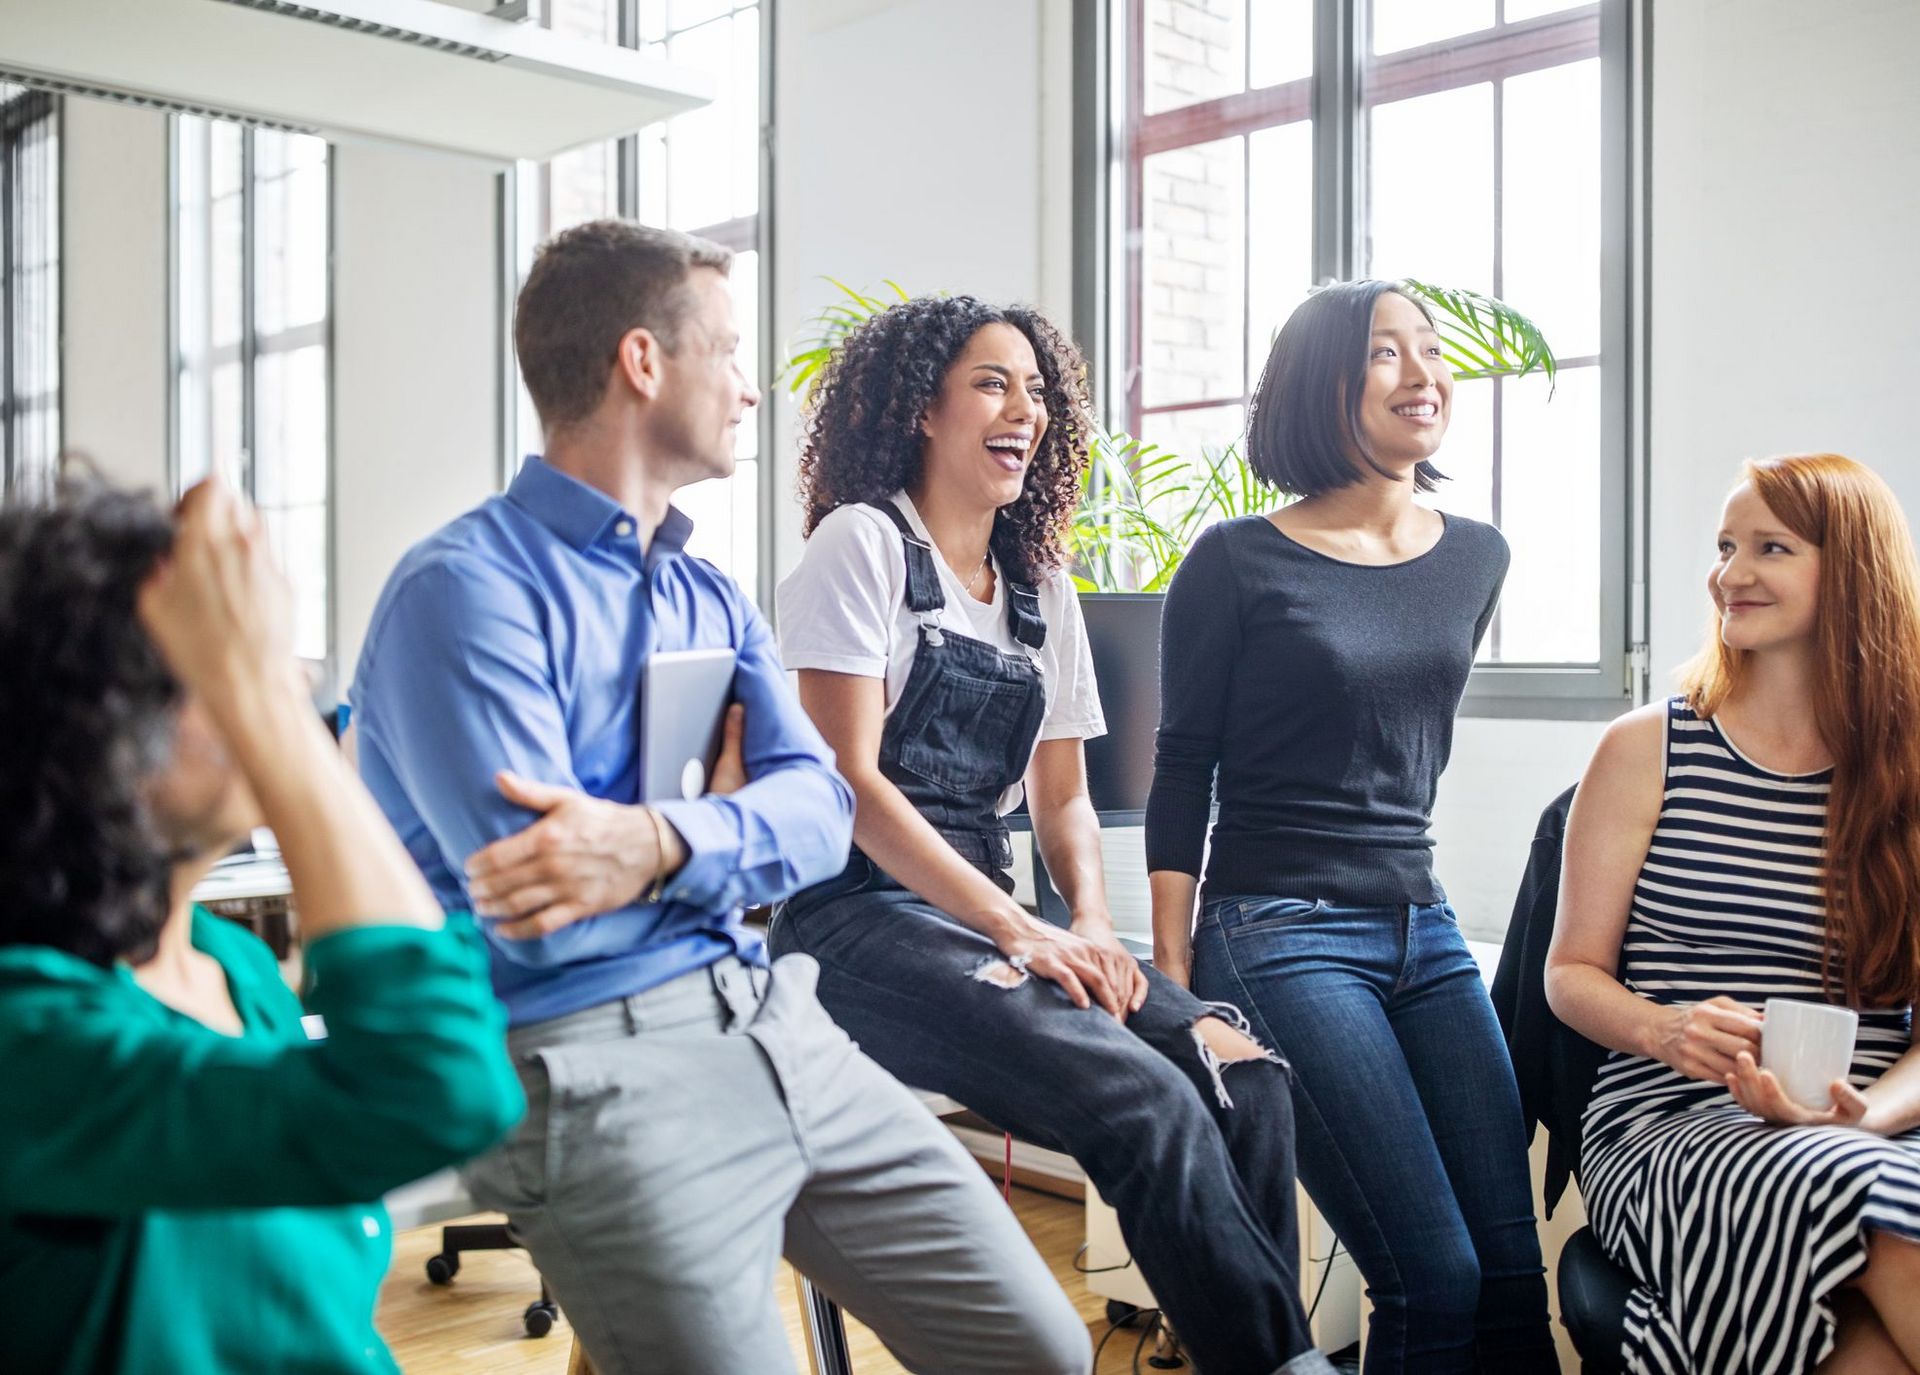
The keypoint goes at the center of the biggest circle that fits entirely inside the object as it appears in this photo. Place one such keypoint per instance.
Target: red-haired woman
(1758, 837)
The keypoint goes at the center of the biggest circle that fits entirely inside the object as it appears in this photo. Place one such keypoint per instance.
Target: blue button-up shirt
(514, 638)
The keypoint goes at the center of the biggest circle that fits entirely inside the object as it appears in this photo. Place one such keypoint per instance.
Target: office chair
(1555, 1067)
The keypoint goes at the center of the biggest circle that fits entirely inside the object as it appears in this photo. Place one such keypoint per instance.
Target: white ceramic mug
(1808, 1046)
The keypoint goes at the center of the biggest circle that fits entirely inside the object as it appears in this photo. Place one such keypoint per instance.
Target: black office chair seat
(1593, 1303)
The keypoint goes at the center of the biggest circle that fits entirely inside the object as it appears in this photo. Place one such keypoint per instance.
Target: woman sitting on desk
(941, 652)
(186, 1179)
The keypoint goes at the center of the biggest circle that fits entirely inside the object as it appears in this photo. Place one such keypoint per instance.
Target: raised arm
(1608, 833)
(127, 1113)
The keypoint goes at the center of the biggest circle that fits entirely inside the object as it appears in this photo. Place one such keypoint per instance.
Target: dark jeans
(1410, 1136)
(1204, 1191)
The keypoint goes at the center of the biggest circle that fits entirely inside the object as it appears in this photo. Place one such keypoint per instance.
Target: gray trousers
(678, 1142)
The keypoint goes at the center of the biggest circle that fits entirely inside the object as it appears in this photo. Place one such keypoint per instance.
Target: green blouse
(174, 1200)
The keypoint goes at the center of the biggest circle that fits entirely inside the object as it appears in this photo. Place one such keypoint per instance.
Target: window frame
(20, 114)
(742, 234)
(251, 346)
(1113, 136)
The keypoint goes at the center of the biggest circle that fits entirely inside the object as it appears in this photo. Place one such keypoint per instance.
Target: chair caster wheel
(539, 1318)
(1120, 1314)
(1165, 1362)
(442, 1268)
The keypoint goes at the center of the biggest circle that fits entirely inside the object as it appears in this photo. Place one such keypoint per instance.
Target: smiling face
(1766, 581)
(1408, 394)
(984, 428)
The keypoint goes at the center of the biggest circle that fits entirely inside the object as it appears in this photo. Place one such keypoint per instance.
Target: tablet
(683, 702)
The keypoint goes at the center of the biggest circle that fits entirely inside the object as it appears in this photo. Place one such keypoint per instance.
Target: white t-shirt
(844, 609)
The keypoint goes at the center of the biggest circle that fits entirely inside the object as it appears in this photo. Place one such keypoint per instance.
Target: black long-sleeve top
(1323, 693)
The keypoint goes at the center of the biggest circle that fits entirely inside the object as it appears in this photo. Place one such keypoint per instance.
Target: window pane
(684, 14)
(1550, 478)
(1516, 10)
(1279, 234)
(1196, 50)
(1279, 41)
(1550, 193)
(1199, 435)
(596, 21)
(290, 216)
(703, 144)
(1430, 202)
(1466, 457)
(582, 185)
(1401, 24)
(290, 449)
(298, 537)
(223, 456)
(744, 277)
(725, 515)
(1195, 298)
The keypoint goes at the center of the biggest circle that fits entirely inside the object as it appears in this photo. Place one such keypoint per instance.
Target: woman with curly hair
(941, 652)
(188, 1181)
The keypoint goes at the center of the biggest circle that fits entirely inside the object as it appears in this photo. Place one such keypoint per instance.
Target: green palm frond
(1484, 337)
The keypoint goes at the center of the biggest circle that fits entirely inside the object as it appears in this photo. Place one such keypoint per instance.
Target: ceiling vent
(412, 71)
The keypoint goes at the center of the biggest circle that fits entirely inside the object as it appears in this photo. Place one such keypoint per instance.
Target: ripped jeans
(1196, 1157)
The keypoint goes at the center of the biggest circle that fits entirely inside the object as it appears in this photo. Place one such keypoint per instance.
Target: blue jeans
(1408, 1123)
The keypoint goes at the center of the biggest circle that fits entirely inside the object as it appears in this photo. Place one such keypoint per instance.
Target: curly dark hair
(89, 708)
(863, 433)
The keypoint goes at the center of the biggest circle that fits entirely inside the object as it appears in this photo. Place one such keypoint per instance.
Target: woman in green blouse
(189, 1176)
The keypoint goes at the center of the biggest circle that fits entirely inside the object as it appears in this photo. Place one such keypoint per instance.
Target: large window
(701, 172)
(250, 319)
(29, 289)
(1267, 145)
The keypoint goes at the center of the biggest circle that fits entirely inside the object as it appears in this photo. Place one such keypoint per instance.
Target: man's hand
(584, 856)
(1124, 973)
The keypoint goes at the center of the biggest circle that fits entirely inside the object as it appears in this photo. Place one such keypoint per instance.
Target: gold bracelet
(658, 891)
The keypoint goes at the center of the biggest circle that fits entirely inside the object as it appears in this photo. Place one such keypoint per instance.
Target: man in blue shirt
(692, 1113)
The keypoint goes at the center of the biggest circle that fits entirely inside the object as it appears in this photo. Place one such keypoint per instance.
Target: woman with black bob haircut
(941, 652)
(188, 1181)
(1312, 661)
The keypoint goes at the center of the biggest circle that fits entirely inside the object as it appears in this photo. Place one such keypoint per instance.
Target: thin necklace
(978, 571)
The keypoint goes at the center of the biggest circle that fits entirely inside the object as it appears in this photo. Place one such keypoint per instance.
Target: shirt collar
(583, 515)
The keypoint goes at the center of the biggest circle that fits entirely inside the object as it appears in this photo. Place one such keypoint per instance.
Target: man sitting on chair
(693, 1112)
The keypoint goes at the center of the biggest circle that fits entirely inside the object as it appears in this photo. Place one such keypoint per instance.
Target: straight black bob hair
(1305, 417)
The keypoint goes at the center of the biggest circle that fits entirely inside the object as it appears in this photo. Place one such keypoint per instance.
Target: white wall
(1786, 204)
(918, 140)
(114, 289)
(416, 336)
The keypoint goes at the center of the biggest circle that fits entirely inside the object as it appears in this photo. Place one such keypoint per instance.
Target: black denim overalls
(1143, 1106)
(963, 729)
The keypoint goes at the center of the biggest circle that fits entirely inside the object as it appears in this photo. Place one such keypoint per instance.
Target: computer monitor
(1123, 631)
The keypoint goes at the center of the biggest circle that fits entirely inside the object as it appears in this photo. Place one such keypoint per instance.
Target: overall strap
(923, 579)
(1023, 614)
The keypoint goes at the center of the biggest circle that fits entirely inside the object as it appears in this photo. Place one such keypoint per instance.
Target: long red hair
(1867, 704)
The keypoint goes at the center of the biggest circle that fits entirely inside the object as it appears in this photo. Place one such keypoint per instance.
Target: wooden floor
(473, 1324)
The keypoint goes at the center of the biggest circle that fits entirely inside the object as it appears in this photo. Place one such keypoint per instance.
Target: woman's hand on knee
(1077, 964)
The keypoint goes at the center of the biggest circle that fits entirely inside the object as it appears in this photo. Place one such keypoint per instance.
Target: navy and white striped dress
(1739, 1231)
